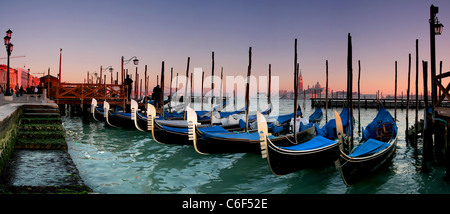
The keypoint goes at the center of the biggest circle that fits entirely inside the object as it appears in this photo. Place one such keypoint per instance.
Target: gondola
(278, 124)
(306, 123)
(206, 142)
(125, 120)
(316, 116)
(376, 148)
(329, 129)
(97, 112)
(204, 115)
(153, 101)
(178, 121)
(176, 132)
(288, 157)
(228, 122)
(117, 118)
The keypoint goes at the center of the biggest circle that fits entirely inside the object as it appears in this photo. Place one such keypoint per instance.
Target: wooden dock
(373, 103)
(78, 93)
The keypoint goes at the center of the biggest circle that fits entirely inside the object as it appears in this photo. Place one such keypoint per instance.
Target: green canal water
(127, 161)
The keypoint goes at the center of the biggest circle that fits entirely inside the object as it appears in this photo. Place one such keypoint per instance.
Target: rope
(290, 140)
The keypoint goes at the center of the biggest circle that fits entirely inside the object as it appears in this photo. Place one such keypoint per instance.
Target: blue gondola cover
(383, 117)
(211, 129)
(369, 147)
(318, 113)
(329, 129)
(315, 143)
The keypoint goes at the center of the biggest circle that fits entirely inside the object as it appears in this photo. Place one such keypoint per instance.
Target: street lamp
(438, 27)
(134, 58)
(9, 49)
(435, 29)
(124, 62)
(96, 77)
(111, 69)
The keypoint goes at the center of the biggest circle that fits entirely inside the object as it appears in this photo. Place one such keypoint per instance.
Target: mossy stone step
(58, 144)
(41, 115)
(41, 110)
(41, 127)
(28, 120)
(31, 135)
(39, 106)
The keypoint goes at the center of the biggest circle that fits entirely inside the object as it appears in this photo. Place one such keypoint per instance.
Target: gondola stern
(191, 118)
(93, 106)
(151, 114)
(134, 110)
(263, 134)
(106, 113)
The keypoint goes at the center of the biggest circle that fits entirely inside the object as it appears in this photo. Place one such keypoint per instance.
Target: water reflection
(116, 160)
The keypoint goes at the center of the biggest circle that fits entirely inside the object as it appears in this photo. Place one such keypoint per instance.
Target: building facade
(12, 77)
(19, 76)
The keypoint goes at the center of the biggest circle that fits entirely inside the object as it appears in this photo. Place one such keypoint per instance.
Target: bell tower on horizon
(301, 81)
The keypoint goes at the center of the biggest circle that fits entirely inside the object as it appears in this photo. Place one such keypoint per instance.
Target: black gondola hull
(221, 145)
(354, 169)
(99, 115)
(168, 137)
(119, 120)
(282, 161)
(238, 145)
(142, 123)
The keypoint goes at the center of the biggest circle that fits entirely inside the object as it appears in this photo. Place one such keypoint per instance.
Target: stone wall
(9, 123)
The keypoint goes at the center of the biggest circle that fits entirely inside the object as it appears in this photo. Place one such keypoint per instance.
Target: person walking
(17, 90)
(128, 82)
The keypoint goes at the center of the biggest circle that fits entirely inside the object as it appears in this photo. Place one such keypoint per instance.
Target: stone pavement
(23, 99)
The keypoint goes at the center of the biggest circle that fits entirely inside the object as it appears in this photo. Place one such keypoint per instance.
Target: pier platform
(34, 156)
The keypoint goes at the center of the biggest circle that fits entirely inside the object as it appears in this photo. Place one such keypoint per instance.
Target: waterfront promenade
(34, 157)
(22, 100)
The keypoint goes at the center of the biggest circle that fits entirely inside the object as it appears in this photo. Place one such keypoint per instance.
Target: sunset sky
(95, 33)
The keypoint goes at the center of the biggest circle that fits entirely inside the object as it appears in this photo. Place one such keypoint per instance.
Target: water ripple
(115, 160)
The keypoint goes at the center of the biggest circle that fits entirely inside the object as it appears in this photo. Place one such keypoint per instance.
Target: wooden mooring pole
(247, 90)
(427, 138)
(416, 121)
(295, 90)
(440, 80)
(176, 91)
(170, 88)
(185, 87)
(407, 96)
(395, 93)
(359, 99)
(326, 93)
(161, 95)
(203, 79)
(269, 101)
(145, 85)
(350, 87)
(212, 90)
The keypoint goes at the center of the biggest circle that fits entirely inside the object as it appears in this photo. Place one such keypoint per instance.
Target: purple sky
(95, 33)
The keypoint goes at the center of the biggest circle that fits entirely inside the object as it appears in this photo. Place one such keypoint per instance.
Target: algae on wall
(9, 127)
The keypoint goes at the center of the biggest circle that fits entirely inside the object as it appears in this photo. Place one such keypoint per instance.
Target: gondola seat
(315, 143)
(369, 147)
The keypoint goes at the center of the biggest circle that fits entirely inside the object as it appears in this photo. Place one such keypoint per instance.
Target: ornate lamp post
(124, 62)
(111, 69)
(9, 49)
(435, 29)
